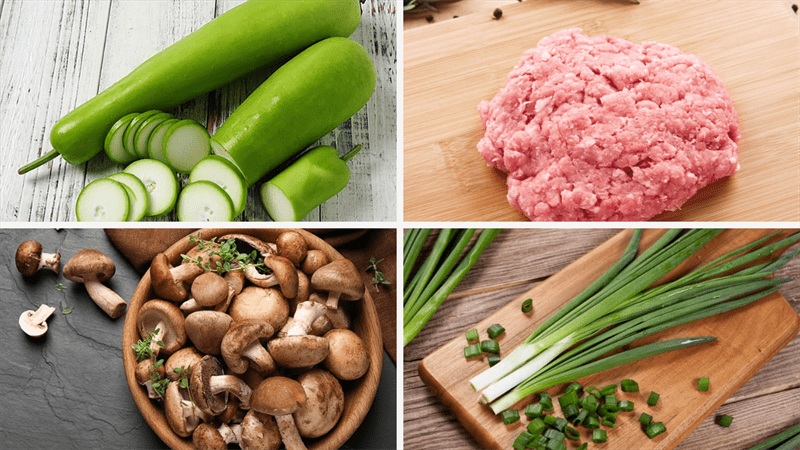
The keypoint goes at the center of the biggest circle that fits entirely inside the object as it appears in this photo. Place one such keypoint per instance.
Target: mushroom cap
(156, 311)
(29, 258)
(200, 386)
(207, 437)
(89, 264)
(206, 330)
(303, 291)
(259, 431)
(259, 303)
(324, 403)
(292, 246)
(285, 272)
(163, 283)
(342, 276)
(209, 288)
(257, 244)
(298, 351)
(339, 316)
(174, 412)
(314, 260)
(278, 396)
(348, 358)
(145, 368)
(185, 357)
(240, 336)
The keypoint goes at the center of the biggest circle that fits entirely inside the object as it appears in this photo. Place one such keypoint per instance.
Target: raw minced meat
(602, 129)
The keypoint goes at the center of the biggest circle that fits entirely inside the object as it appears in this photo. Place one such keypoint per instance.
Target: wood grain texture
(451, 66)
(81, 47)
(429, 425)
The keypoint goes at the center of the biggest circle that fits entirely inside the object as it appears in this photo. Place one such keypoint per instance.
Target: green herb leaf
(60, 287)
(67, 310)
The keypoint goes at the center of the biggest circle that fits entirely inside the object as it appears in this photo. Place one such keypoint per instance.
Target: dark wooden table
(515, 262)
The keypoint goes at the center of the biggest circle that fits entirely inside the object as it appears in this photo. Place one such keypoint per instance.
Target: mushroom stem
(50, 261)
(158, 335)
(289, 435)
(305, 315)
(234, 385)
(190, 306)
(333, 300)
(260, 356)
(42, 314)
(230, 433)
(192, 413)
(186, 271)
(108, 300)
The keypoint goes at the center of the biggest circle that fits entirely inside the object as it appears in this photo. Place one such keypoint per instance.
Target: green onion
(570, 411)
(590, 403)
(626, 405)
(546, 401)
(609, 421)
(472, 335)
(581, 417)
(490, 346)
(592, 390)
(569, 398)
(492, 360)
(574, 386)
(550, 420)
(645, 419)
(702, 384)
(552, 433)
(510, 416)
(527, 306)
(785, 436)
(653, 429)
(571, 433)
(608, 390)
(522, 441)
(495, 330)
(472, 351)
(599, 436)
(611, 403)
(537, 426)
(725, 420)
(592, 422)
(652, 400)
(534, 411)
(560, 423)
(584, 446)
(629, 386)
(412, 245)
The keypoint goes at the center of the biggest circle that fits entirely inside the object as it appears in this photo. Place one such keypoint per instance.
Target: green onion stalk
(621, 309)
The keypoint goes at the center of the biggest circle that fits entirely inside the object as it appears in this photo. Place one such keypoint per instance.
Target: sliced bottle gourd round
(224, 174)
(140, 199)
(161, 184)
(128, 138)
(185, 144)
(155, 144)
(103, 200)
(204, 201)
(142, 136)
(113, 146)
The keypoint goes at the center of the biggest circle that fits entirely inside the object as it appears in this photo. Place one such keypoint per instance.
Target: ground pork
(602, 129)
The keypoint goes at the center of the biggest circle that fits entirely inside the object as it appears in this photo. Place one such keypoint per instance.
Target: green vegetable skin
(249, 36)
(302, 101)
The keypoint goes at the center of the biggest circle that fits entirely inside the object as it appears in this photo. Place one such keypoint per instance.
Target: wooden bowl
(359, 394)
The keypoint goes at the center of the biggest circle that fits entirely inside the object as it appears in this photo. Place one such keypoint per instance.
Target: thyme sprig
(378, 278)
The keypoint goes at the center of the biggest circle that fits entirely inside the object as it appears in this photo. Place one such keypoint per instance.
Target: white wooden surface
(56, 54)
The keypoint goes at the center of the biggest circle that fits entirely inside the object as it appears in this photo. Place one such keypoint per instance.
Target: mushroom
(207, 437)
(324, 403)
(314, 260)
(92, 268)
(306, 313)
(144, 375)
(348, 358)
(181, 413)
(339, 316)
(260, 304)
(262, 247)
(241, 347)
(298, 351)
(283, 275)
(235, 279)
(303, 291)
(208, 385)
(292, 246)
(167, 319)
(208, 289)
(281, 397)
(34, 323)
(184, 358)
(30, 259)
(206, 330)
(169, 282)
(259, 431)
(342, 281)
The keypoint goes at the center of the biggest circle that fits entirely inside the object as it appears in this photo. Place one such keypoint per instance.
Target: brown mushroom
(92, 268)
(348, 358)
(339, 316)
(235, 279)
(324, 403)
(280, 397)
(30, 259)
(181, 413)
(283, 275)
(260, 246)
(165, 321)
(170, 282)
(206, 330)
(34, 323)
(305, 315)
(303, 291)
(298, 351)
(183, 359)
(259, 431)
(259, 303)
(342, 281)
(208, 437)
(241, 347)
(314, 260)
(292, 246)
(208, 386)
(145, 372)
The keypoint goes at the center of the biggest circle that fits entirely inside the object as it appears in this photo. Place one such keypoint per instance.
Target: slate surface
(67, 389)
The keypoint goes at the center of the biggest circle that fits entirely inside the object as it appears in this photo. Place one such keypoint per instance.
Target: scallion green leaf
(495, 330)
(652, 399)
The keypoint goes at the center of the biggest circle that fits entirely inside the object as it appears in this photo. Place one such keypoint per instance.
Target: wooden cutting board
(451, 66)
(747, 338)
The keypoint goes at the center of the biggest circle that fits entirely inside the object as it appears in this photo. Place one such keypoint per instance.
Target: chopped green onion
(510, 416)
(590, 403)
(611, 403)
(555, 444)
(546, 401)
(490, 346)
(584, 446)
(702, 384)
(592, 390)
(574, 386)
(592, 422)
(527, 306)
(472, 335)
(495, 330)
(571, 433)
(550, 420)
(569, 398)
(609, 421)
(537, 426)
(560, 423)
(552, 433)
(625, 405)
(608, 390)
(581, 417)
(725, 420)
(534, 411)
(522, 441)
(652, 400)
(570, 411)
(493, 359)
(629, 386)
(472, 351)
(654, 429)
(645, 419)
(599, 436)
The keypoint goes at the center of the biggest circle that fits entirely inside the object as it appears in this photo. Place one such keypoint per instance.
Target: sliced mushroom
(167, 319)
(342, 281)
(280, 397)
(292, 246)
(34, 323)
(30, 259)
(298, 351)
(259, 303)
(182, 415)
(144, 375)
(208, 437)
(209, 385)
(259, 431)
(324, 403)
(92, 268)
(206, 330)
(184, 359)
(283, 275)
(348, 358)
(314, 260)
(241, 347)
